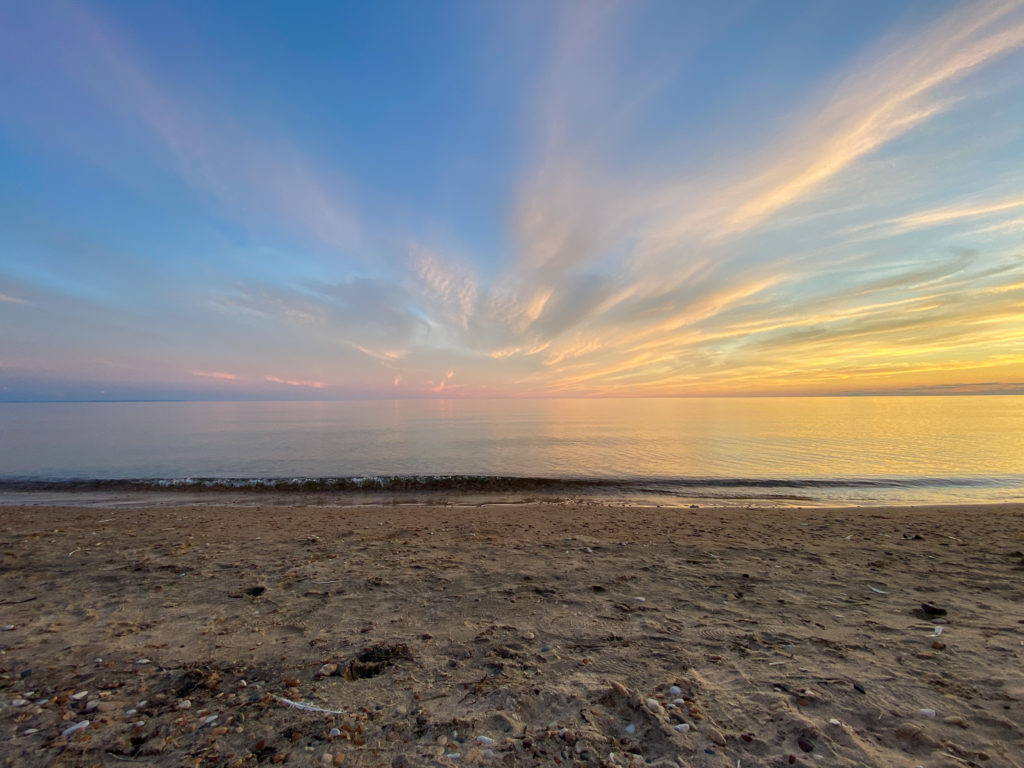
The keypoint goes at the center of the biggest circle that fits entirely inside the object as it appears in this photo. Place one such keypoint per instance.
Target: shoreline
(254, 497)
(514, 635)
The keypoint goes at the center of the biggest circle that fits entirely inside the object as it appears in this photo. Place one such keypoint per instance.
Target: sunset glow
(511, 200)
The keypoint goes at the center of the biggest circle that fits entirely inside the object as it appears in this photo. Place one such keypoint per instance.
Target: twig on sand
(306, 707)
(18, 602)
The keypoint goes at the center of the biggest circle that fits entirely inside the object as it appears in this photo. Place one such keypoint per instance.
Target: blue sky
(261, 200)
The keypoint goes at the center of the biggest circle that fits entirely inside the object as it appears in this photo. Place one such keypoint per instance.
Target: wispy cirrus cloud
(641, 252)
(254, 173)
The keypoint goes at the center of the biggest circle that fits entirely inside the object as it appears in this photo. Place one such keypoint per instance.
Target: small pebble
(29, 731)
(143, 661)
(630, 729)
(928, 713)
(184, 704)
(804, 744)
(19, 702)
(91, 706)
(679, 702)
(208, 720)
(79, 696)
(833, 721)
(327, 670)
(675, 690)
(683, 727)
(334, 733)
(8, 627)
(485, 740)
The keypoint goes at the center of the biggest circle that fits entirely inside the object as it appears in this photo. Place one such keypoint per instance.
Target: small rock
(334, 733)
(804, 744)
(19, 702)
(74, 728)
(485, 740)
(675, 691)
(184, 704)
(929, 713)
(79, 696)
(654, 706)
(7, 627)
(833, 721)
(570, 737)
(291, 682)
(716, 737)
(339, 759)
(327, 670)
(29, 731)
(938, 646)
(683, 727)
(91, 706)
(631, 729)
(619, 688)
(908, 731)
(956, 720)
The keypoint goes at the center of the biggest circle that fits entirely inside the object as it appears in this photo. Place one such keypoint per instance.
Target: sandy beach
(511, 634)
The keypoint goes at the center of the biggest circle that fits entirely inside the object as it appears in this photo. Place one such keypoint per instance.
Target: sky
(265, 200)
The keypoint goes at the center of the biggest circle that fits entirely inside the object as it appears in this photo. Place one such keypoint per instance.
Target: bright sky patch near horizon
(458, 199)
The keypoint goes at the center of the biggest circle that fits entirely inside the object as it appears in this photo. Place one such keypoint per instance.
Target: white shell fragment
(76, 727)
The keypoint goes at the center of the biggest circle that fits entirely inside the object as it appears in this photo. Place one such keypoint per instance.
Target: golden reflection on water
(866, 437)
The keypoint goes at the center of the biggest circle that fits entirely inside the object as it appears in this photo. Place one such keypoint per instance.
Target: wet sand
(523, 634)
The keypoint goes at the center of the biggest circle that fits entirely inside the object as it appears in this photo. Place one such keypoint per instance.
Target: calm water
(864, 450)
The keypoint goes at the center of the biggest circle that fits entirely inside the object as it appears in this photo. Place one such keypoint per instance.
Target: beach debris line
(374, 659)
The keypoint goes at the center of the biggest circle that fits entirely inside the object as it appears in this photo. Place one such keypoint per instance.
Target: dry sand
(534, 634)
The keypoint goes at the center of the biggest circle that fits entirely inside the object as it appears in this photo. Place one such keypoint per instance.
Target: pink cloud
(215, 375)
(294, 382)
